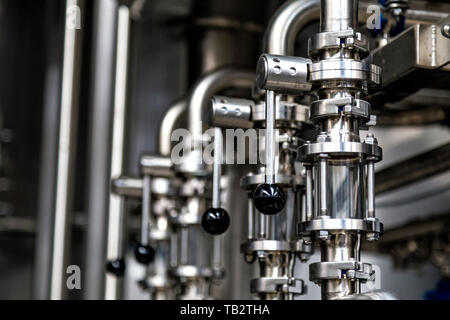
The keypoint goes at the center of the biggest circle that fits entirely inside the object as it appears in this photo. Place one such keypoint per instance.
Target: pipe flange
(345, 69)
(334, 270)
(349, 39)
(251, 182)
(372, 225)
(348, 106)
(285, 112)
(276, 285)
(276, 246)
(308, 152)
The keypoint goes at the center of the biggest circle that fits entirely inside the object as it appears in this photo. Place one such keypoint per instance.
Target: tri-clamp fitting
(339, 167)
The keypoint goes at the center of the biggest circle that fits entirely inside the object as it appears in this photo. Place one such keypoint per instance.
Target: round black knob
(116, 267)
(215, 221)
(269, 199)
(144, 254)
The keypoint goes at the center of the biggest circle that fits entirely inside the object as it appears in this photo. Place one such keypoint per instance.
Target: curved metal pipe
(287, 22)
(209, 85)
(294, 15)
(172, 119)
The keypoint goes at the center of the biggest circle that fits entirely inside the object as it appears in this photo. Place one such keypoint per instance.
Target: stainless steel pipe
(66, 153)
(209, 85)
(116, 215)
(172, 119)
(104, 62)
(287, 22)
(337, 15)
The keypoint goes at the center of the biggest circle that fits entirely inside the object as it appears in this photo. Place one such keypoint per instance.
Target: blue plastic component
(442, 292)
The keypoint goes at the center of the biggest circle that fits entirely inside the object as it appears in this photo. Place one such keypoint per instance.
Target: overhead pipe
(295, 15)
(286, 24)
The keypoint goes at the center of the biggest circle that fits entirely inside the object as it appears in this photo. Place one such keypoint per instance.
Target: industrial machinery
(226, 149)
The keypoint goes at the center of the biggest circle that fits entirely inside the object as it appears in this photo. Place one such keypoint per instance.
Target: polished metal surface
(283, 74)
(172, 120)
(228, 112)
(100, 133)
(116, 216)
(66, 155)
(271, 136)
(156, 165)
(208, 86)
(337, 15)
(303, 123)
(286, 23)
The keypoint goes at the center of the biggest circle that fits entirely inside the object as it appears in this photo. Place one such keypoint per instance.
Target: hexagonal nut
(370, 139)
(322, 137)
(262, 255)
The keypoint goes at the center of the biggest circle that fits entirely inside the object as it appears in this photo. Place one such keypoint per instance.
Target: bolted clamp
(354, 270)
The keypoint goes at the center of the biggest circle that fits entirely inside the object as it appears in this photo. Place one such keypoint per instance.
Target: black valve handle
(269, 199)
(116, 267)
(144, 253)
(215, 221)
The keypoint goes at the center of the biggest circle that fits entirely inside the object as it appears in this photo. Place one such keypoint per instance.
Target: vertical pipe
(323, 186)
(173, 249)
(218, 149)
(146, 209)
(262, 225)
(217, 254)
(184, 246)
(270, 136)
(116, 219)
(290, 215)
(250, 230)
(337, 15)
(309, 193)
(371, 189)
(66, 152)
(104, 54)
(49, 152)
